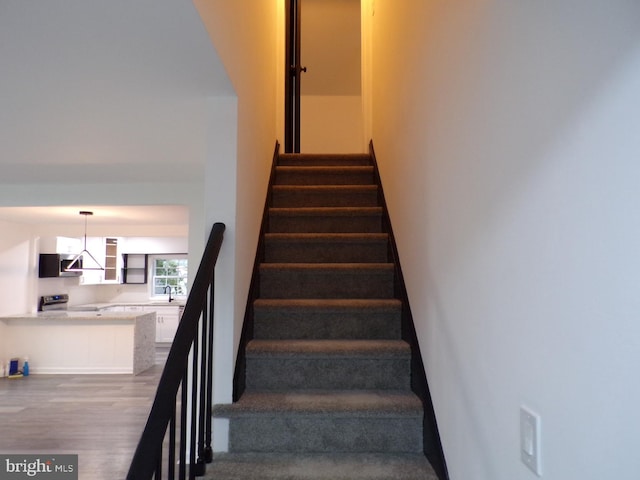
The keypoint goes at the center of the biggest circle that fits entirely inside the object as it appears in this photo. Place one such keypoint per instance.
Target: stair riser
(314, 466)
(288, 176)
(277, 373)
(305, 325)
(301, 198)
(325, 224)
(328, 434)
(285, 283)
(325, 252)
(318, 160)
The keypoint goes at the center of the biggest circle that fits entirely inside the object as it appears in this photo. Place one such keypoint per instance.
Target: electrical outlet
(530, 440)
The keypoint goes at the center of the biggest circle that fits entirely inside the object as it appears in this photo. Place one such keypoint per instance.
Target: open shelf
(135, 268)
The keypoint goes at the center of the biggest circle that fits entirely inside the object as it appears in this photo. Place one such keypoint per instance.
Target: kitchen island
(59, 342)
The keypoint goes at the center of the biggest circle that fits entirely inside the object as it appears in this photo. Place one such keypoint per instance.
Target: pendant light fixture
(77, 265)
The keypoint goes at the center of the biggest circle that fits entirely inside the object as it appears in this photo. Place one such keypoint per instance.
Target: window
(169, 271)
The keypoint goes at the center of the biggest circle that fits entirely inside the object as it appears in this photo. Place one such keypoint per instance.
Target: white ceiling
(96, 91)
(146, 215)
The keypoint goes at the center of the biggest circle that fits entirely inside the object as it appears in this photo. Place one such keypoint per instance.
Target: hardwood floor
(98, 417)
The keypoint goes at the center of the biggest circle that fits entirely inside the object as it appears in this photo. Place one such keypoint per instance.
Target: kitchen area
(91, 302)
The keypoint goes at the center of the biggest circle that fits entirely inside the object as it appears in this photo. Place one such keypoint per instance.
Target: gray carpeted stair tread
(326, 220)
(333, 304)
(322, 169)
(324, 175)
(324, 159)
(324, 211)
(334, 189)
(335, 348)
(362, 403)
(251, 466)
(328, 433)
(281, 365)
(327, 237)
(327, 318)
(370, 421)
(369, 268)
(326, 280)
(326, 247)
(325, 195)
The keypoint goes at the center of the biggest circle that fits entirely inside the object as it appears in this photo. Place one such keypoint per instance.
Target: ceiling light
(77, 265)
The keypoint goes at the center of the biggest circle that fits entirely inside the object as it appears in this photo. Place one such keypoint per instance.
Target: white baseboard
(81, 371)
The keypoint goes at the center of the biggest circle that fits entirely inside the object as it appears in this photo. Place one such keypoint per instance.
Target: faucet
(165, 291)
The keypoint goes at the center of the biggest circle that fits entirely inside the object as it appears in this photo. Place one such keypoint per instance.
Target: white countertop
(79, 314)
(90, 307)
(69, 315)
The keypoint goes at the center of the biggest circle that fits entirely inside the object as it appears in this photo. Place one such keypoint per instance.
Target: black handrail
(194, 335)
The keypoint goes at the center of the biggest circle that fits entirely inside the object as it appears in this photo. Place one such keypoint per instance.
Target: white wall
(17, 268)
(17, 274)
(331, 106)
(244, 34)
(331, 124)
(507, 134)
(154, 245)
(107, 92)
(3, 345)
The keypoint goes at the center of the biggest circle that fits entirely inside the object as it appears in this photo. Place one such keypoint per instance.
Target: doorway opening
(323, 87)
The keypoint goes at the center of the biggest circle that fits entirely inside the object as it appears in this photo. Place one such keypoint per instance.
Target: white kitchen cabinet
(60, 245)
(95, 246)
(82, 342)
(105, 251)
(167, 320)
(112, 262)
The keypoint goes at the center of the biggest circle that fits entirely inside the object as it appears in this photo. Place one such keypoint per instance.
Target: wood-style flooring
(98, 417)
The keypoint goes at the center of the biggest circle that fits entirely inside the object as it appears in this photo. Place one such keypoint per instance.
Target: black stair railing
(179, 424)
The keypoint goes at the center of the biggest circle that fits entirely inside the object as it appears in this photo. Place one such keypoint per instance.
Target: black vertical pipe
(297, 73)
(288, 78)
(293, 70)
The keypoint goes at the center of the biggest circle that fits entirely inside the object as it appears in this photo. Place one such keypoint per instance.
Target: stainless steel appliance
(55, 264)
(49, 303)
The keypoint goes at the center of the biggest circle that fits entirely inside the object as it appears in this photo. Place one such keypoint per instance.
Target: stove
(49, 303)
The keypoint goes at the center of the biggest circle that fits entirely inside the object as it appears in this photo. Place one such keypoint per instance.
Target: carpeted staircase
(327, 376)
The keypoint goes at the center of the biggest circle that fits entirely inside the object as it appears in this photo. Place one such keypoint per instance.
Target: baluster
(158, 474)
(182, 467)
(171, 470)
(203, 379)
(208, 454)
(147, 460)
